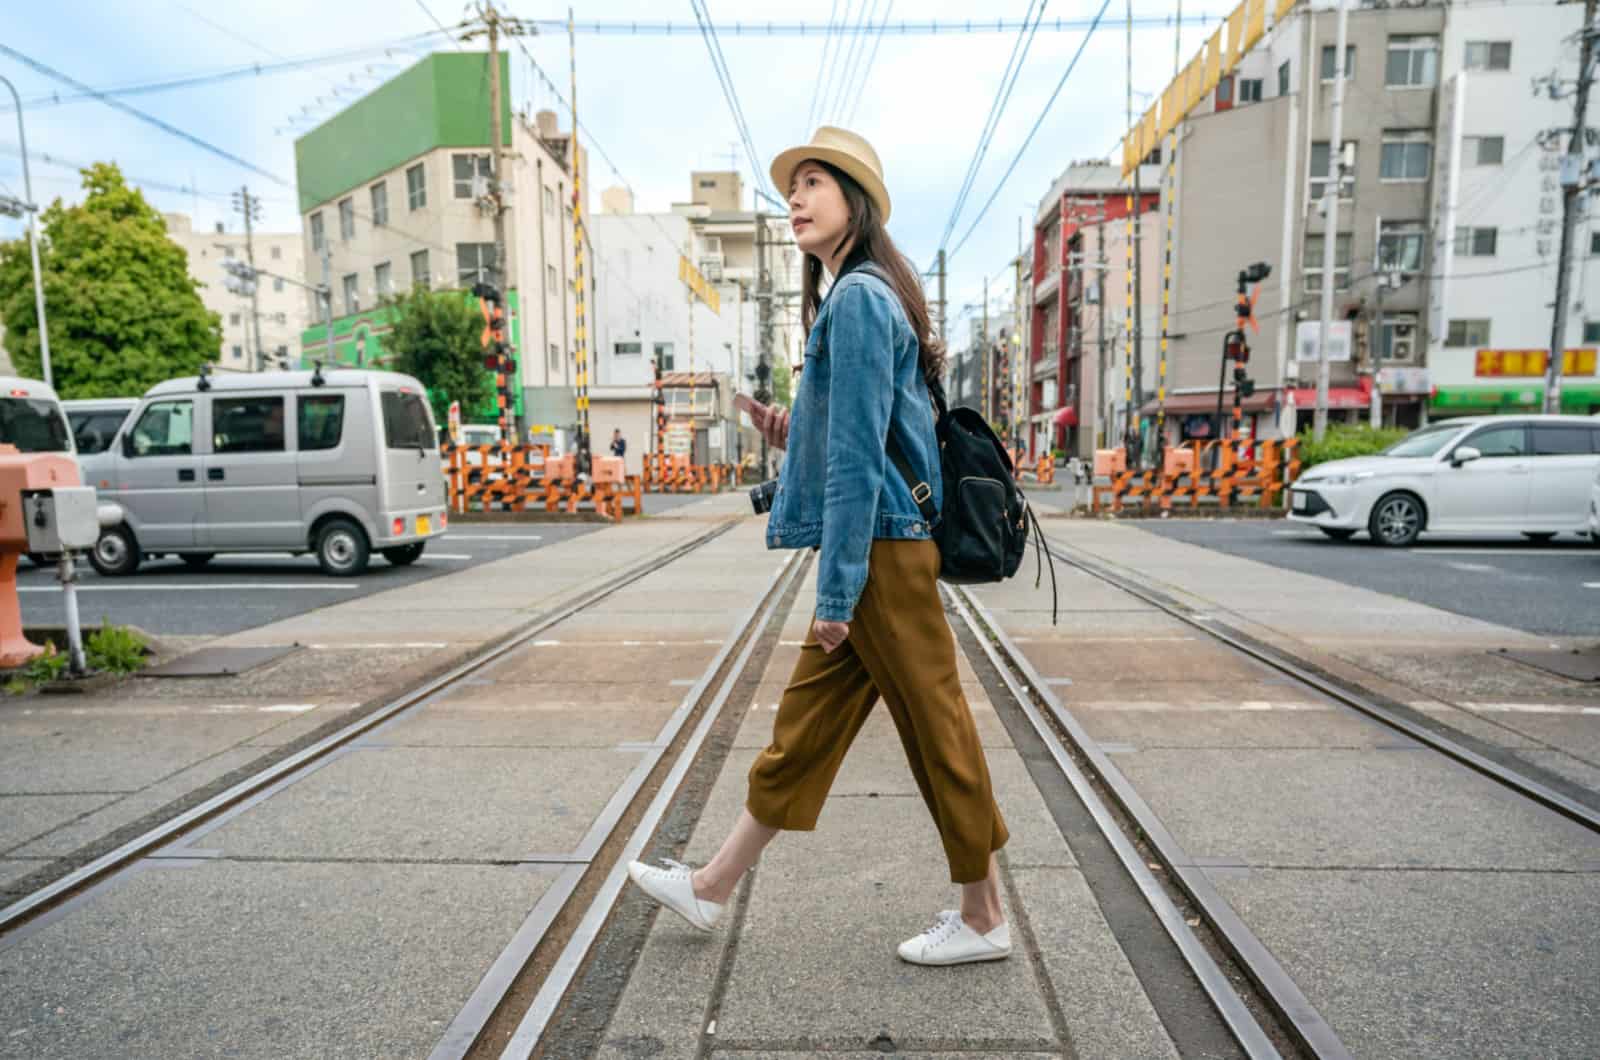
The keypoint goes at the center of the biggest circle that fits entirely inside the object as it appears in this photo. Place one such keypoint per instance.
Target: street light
(33, 238)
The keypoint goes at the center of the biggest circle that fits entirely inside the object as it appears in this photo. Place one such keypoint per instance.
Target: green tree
(782, 382)
(122, 309)
(437, 338)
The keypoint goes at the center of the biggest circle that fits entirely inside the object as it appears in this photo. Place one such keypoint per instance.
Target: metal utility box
(61, 519)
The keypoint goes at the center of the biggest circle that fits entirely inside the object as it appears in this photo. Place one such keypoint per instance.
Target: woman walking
(879, 628)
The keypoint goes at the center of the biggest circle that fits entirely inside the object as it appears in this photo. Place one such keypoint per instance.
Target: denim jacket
(838, 490)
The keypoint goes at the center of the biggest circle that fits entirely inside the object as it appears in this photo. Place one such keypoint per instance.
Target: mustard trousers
(900, 647)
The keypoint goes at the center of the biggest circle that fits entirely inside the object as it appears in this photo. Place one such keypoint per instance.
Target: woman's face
(817, 210)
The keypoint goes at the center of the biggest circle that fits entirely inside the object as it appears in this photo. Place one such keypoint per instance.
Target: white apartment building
(280, 303)
(1497, 215)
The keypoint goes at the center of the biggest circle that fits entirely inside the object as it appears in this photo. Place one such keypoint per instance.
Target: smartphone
(746, 403)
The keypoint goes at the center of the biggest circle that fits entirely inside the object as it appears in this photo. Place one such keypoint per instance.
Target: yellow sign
(1533, 362)
(697, 283)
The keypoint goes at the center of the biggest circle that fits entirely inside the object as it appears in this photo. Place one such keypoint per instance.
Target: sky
(651, 104)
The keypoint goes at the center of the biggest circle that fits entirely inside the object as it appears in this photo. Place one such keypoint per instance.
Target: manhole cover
(220, 662)
(1576, 665)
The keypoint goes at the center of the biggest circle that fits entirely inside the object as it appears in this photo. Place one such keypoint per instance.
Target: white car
(1594, 510)
(1529, 475)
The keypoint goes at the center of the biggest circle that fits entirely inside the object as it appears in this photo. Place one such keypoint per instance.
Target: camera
(761, 496)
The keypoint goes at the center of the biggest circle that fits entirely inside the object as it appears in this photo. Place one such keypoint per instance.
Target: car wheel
(1337, 533)
(405, 555)
(116, 554)
(197, 560)
(342, 549)
(1539, 538)
(1396, 520)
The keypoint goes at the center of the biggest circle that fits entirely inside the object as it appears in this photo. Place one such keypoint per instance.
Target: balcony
(1046, 366)
(1045, 289)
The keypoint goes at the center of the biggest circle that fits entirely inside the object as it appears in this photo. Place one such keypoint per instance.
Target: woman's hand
(774, 425)
(830, 634)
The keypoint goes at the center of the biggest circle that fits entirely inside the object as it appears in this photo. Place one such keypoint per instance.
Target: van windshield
(33, 425)
(93, 431)
(405, 421)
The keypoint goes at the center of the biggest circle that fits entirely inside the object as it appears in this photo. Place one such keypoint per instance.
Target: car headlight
(1336, 480)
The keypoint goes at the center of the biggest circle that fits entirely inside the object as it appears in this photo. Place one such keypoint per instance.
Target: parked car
(340, 464)
(1516, 474)
(94, 423)
(1594, 510)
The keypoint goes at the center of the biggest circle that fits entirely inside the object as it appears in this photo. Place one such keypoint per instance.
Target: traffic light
(1234, 347)
(1245, 385)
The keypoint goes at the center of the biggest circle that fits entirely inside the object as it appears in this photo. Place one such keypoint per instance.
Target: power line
(1071, 66)
(1002, 94)
(725, 76)
(835, 28)
(861, 89)
(837, 89)
(816, 89)
(435, 19)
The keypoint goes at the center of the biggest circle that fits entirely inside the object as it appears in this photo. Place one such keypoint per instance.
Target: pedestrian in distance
(879, 628)
(619, 444)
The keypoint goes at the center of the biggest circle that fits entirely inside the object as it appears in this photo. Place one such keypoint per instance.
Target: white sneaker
(673, 888)
(951, 941)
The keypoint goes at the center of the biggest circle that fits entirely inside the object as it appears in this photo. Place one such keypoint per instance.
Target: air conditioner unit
(711, 267)
(1091, 293)
(1071, 396)
(713, 244)
(1400, 349)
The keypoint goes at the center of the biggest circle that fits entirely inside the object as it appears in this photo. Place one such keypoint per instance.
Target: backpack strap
(921, 492)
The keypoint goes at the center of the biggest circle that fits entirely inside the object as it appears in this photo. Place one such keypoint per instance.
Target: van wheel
(116, 554)
(197, 560)
(404, 555)
(342, 549)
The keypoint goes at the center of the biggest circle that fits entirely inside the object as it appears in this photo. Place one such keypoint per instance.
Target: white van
(31, 418)
(340, 463)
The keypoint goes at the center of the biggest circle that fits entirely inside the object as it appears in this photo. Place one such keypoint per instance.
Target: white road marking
(1559, 553)
(1474, 568)
(547, 644)
(1591, 585)
(494, 537)
(1531, 708)
(1210, 707)
(289, 708)
(203, 588)
(1297, 533)
(402, 644)
(447, 555)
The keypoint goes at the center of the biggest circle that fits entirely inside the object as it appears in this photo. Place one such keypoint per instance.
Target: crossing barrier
(1222, 474)
(672, 473)
(520, 478)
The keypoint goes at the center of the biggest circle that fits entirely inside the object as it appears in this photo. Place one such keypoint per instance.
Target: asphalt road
(238, 592)
(1550, 589)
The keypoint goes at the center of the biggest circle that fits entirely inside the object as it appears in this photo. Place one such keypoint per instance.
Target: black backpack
(982, 528)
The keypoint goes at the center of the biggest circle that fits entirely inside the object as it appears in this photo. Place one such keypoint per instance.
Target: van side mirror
(1464, 454)
(127, 444)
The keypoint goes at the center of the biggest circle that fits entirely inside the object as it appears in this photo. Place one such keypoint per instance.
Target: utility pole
(250, 207)
(1571, 181)
(327, 298)
(32, 210)
(763, 328)
(942, 334)
(1330, 230)
(988, 376)
(1103, 391)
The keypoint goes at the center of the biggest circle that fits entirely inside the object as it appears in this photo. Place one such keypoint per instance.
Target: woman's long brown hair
(872, 240)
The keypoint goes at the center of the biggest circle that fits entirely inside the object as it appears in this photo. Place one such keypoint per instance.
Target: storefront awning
(1067, 417)
(1191, 404)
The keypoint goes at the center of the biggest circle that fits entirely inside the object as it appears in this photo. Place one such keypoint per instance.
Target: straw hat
(842, 149)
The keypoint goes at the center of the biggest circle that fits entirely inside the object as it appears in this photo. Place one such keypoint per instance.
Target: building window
(352, 300)
(1349, 61)
(1312, 264)
(280, 318)
(663, 354)
(1488, 55)
(233, 319)
(1225, 93)
(227, 252)
(708, 183)
(627, 349)
(277, 283)
(555, 357)
(277, 252)
(1319, 171)
(347, 219)
(1283, 78)
(419, 270)
(549, 202)
(1591, 331)
(1476, 242)
(550, 278)
(382, 283)
(317, 235)
(468, 169)
(474, 263)
(238, 352)
(416, 187)
(1406, 156)
(380, 204)
(1250, 90)
(1467, 333)
(1594, 243)
(1413, 62)
(1483, 150)
(1400, 245)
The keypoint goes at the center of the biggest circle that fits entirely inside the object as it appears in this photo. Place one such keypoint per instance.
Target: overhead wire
(816, 89)
(1043, 112)
(861, 89)
(731, 93)
(1002, 94)
(837, 88)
